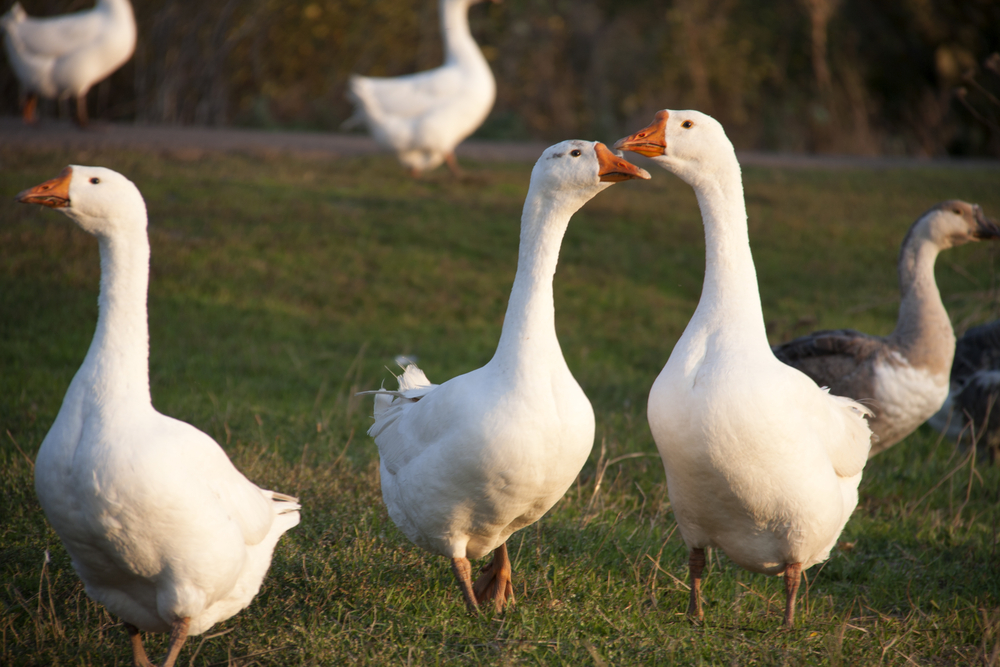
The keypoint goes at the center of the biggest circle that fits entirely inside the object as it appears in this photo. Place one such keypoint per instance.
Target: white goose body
(64, 56)
(484, 454)
(466, 463)
(161, 528)
(770, 487)
(422, 117)
(760, 461)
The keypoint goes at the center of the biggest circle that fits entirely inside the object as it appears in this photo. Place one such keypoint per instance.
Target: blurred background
(866, 77)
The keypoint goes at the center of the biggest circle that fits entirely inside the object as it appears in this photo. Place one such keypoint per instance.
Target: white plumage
(63, 56)
(424, 116)
(161, 528)
(466, 463)
(760, 461)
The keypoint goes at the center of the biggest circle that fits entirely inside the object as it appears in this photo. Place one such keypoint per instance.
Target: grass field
(281, 286)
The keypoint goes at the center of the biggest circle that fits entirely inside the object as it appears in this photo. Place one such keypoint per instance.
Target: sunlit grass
(281, 286)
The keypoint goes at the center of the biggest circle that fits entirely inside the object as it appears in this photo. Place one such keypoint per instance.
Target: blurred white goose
(906, 372)
(63, 56)
(760, 461)
(162, 529)
(466, 463)
(424, 116)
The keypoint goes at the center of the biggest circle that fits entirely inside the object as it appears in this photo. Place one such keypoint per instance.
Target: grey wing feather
(847, 342)
(830, 357)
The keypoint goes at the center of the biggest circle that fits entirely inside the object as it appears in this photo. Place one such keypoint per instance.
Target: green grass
(281, 286)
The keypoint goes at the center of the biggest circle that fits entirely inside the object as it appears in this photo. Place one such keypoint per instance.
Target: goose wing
(250, 507)
(837, 423)
(841, 359)
(412, 419)
(850, 438)
(407, 96)
(59, 35)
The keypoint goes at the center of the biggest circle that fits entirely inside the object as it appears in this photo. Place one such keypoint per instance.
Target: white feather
(65, 55)
(424, 116)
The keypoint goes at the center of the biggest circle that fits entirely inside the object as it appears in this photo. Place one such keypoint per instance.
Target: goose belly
(443, 128)
(741, 474)
(463, 497)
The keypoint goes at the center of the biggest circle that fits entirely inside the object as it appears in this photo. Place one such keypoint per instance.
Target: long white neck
(923, 331)
(117, 363)
(528, 337)
(730, 295)
(459, 46)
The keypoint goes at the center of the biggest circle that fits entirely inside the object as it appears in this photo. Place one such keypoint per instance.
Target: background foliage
(854, 76)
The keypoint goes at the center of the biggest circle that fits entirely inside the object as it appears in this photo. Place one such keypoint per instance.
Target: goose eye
(687, 125)
(956, 212)
(95, 180)
(575, 153)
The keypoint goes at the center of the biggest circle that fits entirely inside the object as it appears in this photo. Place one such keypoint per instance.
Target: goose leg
(696, 564)
(28, 111)
(81, 110)
(139, 658)
(793, 574)
(452, 162)
(494, 582)
(178, 635)
(463, 572)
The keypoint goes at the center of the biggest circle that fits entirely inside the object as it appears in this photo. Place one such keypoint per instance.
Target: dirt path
(191, 141)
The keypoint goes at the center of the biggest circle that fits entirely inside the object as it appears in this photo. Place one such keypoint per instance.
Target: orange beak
(54, 193)
(651, 140)
(614, 168)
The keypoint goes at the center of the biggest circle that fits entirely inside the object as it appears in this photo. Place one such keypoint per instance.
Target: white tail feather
(413, 384)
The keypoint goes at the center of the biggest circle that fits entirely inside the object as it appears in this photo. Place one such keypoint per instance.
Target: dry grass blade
(968, 457)
(27, 458)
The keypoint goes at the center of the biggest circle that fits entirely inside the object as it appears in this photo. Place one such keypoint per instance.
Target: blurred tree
(857, 76)
(825, 125)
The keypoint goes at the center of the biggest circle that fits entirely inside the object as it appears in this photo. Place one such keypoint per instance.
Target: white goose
(63, 56)
(466, 463)
(162, 529)
(906, 372)
(424, 116)
(760, 461)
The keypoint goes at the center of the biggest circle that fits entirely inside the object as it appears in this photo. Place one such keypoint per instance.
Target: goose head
(953, 223)
(100, 200)
(580, 169)
(689, 144)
